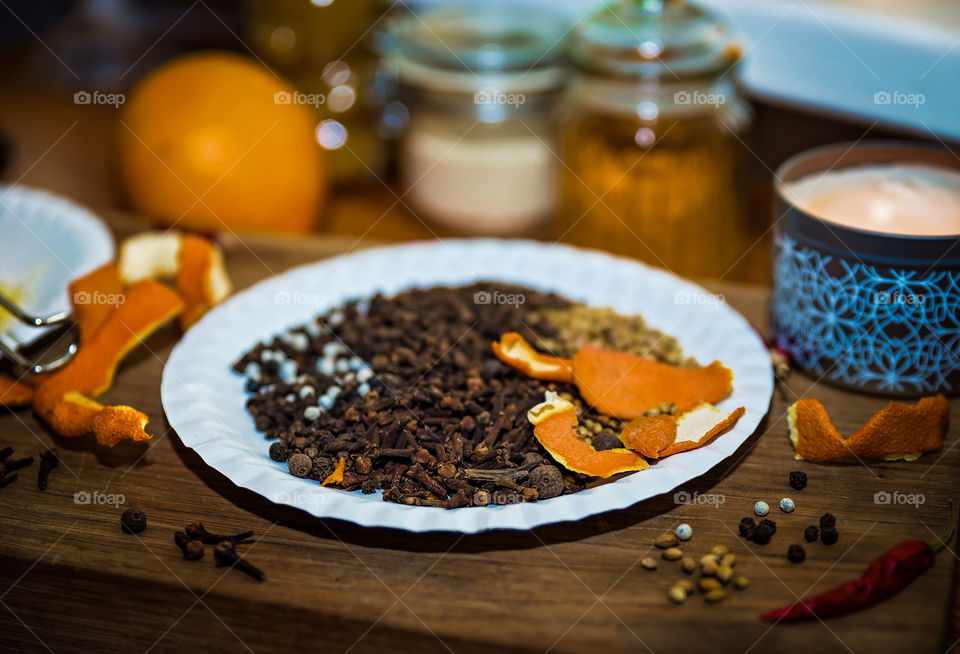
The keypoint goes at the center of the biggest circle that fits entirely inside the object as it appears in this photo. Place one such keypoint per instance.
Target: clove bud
(192, 549)
(48, 461)
(225, 554)
(196, 531)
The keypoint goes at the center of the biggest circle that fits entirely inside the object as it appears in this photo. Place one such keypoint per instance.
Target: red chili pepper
(890, 573)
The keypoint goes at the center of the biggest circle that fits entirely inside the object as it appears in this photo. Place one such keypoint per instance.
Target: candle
(907, 199)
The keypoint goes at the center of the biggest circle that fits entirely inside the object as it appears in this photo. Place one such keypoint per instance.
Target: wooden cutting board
(71, 581)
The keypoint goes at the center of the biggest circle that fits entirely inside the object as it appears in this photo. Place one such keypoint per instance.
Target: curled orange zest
(61, 399)
(557, 433)
(93, 298)
(15, 393)
(116, 423)
(655, 437)
(201, 277)
(627, 386)
(689, 444)
(649, 435)
(336, 477)
(517, 353)
(897, 431)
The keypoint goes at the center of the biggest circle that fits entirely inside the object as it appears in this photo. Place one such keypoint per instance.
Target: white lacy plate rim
(208, 414)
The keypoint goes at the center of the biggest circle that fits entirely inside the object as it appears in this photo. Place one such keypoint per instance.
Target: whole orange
(214, 141)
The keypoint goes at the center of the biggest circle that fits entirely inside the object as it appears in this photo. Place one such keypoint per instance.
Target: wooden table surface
(71, 581)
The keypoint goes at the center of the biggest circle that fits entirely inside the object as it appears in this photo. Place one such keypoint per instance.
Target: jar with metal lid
(652, 143)
(478, 83)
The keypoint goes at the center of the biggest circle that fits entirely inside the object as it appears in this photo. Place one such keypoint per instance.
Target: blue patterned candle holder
(867, 310)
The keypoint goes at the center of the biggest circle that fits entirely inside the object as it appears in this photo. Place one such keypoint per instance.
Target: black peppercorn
(746, 526)
(133, 521)
(829, 535)
(279, 452)
(764, 532)
(798, 480)
(252, 386)
(828, 520)
(811, 534)
(796, 554)
(606, 440)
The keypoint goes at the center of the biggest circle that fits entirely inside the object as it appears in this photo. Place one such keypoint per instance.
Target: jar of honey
(653, 132)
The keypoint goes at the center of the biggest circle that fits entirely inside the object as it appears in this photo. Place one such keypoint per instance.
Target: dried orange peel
(14, 393)
(554, 425)
(336, 477)
(76, 415)
(63, 399)
(196, 263)
(896, 432)
(660, 436)
(93, 298)
(626, 386)
(619, 384)
(517, 353)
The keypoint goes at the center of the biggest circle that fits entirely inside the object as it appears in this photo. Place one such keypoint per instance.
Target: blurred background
(647, 128)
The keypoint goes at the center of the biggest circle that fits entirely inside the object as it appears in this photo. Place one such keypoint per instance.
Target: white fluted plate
(46, 241)
(204, 400)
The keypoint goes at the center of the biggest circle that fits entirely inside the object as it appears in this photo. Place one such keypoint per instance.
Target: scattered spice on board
(48, 461)
(890, 573)
(798, 480)
(133, 521)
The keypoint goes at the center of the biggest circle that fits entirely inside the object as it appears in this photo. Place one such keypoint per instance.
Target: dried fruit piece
(626, 385)
(517, 353)
(692, 423)
(15, 393)
(196, 263)
(662, 435)
(555, 424)
(897, 431)
(649, 435)
(202, 277)
(116, 423)
(93, 297)
(336, 477)
(64, 401)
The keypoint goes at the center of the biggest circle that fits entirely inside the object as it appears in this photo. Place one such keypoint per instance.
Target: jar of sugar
(478, 84)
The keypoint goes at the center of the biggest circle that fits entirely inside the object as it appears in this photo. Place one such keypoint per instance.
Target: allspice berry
(548, 481)
(300, 465)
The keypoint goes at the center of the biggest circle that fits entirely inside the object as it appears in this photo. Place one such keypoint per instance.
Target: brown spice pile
(406, 390)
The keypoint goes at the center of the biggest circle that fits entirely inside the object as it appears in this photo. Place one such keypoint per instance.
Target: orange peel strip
(517, 353)
(626, 386)
(555, 423)
(649, 435)
(14, 393)
(336, 477)
(117, 423)
(93, 298)
(659, 436)
(202, 277)
(76, 415)
(690, 424)
(897, 431)
(146, 306)
(194, 261)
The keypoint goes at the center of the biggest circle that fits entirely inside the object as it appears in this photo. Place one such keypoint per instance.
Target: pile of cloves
(441, 421)
(193, 537)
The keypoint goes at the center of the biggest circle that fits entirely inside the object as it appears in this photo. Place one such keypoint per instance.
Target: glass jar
(319, 46)
(652, 143)
(478, 84)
